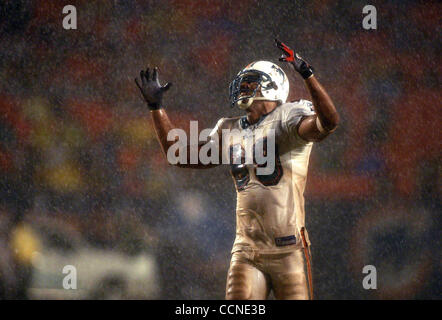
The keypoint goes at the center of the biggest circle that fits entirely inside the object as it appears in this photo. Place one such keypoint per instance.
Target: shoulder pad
(304, 103)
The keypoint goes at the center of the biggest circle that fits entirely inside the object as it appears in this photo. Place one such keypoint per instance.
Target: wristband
(321, 128)
(154, 106)
(306, 72)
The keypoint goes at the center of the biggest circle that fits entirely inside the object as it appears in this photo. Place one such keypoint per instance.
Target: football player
(271, 250)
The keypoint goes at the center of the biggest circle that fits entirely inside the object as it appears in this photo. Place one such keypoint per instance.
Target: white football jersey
(270, 207)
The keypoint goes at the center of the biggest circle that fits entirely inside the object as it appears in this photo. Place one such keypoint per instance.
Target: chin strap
(244, 105)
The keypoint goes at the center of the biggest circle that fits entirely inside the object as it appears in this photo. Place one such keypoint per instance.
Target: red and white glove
(295, 59)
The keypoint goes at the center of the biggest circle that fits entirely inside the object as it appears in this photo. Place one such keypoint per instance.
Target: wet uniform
(271, 248)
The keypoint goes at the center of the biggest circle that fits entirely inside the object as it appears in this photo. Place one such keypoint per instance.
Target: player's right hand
(298, 63)
(151, 88)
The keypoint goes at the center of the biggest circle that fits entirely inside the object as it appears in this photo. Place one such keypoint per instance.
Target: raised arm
(152, 92)
(319, 126)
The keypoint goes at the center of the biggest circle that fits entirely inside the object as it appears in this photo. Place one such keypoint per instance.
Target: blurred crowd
(77, 144)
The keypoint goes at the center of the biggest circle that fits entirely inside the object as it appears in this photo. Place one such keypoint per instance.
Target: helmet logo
(279, 70)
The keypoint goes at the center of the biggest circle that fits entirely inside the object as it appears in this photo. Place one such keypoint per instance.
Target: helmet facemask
(263, 81)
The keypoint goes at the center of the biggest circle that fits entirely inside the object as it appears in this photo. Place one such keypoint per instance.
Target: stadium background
(77, 145)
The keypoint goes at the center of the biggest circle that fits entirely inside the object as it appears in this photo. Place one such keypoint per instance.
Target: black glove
(295, 59)
(151, 89)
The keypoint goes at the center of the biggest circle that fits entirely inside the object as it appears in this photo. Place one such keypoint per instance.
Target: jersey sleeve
(216, 131)
(293, 116)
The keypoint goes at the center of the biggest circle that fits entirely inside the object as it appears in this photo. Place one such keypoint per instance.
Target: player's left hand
(289, 55)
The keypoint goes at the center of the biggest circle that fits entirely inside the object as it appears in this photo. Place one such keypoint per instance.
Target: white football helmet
(271, 79)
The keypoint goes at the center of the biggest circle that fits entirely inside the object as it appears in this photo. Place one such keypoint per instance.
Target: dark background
(77, 145)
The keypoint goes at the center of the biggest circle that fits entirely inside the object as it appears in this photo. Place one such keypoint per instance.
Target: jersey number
(240, 172)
